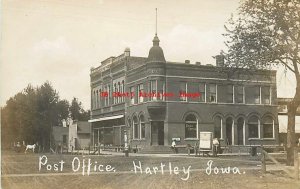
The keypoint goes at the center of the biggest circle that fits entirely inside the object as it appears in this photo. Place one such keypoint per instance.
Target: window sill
(269, 139)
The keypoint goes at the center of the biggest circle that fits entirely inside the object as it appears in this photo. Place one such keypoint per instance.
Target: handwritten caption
(87, 166)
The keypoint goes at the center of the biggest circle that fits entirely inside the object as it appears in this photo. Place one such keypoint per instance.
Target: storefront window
(191, 124)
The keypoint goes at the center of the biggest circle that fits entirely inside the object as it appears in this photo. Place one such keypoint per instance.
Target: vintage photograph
(112, 94)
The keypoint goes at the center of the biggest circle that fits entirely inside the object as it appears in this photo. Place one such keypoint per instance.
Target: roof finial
(156, 21)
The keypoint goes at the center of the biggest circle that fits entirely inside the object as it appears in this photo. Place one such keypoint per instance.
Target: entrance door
(157, 133)
(240, 131)
(229, 123)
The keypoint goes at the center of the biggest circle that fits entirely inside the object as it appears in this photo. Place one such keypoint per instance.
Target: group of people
(216, 147)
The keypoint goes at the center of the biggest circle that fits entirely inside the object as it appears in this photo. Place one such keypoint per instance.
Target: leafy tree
(77, 112)
(266, 33)
(30, 115)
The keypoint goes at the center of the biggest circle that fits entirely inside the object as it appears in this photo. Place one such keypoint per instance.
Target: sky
(60, 40)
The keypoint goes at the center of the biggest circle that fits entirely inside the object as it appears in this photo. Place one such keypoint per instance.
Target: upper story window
(239, 94)
(252, 94)
(153, 90)
(97, 99)
(115, 90)
(132, 95)
(183, 91)
(119, 90)
(229, 93)
(202, 91)
(212, 93)
(140, 93)
(265, 95)
(100, 98)
(123, 90)
(225, 93)
(94, 100)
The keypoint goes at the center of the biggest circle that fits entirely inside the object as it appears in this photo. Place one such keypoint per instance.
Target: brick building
(238, 109)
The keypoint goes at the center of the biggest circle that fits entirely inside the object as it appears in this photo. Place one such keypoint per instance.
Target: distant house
(283, 120)
(79, 135)
(60, 135)
(75, 135)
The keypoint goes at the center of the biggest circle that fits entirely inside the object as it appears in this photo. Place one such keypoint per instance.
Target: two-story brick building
(238, 109)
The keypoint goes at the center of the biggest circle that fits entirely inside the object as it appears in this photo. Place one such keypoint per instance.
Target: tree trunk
(292, 109)
(290, 142)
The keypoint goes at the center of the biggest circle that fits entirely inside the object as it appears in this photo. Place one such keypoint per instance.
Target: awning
(106, 118)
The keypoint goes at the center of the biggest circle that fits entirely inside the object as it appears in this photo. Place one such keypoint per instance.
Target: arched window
(191, 124)
(135, 128)
(142, 126)
(253, 125)
(218, 127)
(268, 127)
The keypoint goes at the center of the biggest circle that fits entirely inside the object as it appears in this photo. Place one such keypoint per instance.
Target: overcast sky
(60, 41)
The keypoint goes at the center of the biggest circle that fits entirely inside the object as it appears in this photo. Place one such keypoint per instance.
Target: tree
(77, 112)
(30, 115)
(266, 33)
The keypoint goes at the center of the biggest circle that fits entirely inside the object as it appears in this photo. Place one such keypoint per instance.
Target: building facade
(156, 101)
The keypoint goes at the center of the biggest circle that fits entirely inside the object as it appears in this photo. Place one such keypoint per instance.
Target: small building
(60, 135)
(283, 120)
(75, 135)
(79, 135)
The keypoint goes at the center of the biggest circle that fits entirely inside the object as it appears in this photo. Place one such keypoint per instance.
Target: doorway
(157, 133)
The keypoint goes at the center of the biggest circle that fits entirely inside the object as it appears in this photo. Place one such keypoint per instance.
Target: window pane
(268, 127)
(265, 95)
(253, 127)
(229, 94)
(190, 130)
(239, 94)
(212, 93)
(142, 124)
(191, 126)
(252, 94)
(182, 91)
(131, 95)
(143, 130)
(140, 91)
(153, 90)
(135, 128)
(202, 92)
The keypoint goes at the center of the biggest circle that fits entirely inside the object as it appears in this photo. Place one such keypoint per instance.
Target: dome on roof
(156, 53)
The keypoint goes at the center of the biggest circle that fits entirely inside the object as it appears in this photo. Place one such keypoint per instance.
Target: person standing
(174, 146)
